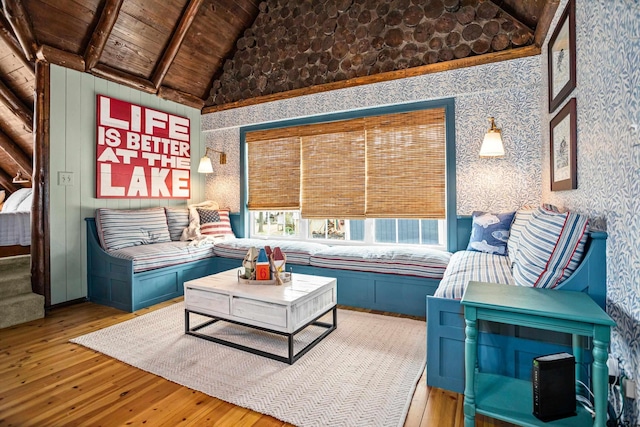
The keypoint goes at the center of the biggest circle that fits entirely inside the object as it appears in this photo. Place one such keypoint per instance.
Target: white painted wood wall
(73, 147)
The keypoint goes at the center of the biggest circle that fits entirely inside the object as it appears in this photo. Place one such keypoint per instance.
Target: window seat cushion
(420, 262)
(158, 255)
(468, 266)
(296, 252)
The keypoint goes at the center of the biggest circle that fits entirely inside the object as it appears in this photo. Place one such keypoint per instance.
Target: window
(373, 178)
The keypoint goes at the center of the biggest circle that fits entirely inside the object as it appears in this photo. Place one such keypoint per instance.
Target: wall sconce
(19, 179)
(205, 165)
(492, 144)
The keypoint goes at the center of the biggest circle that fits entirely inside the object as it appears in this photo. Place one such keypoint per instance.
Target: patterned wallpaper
(608, 103)
(490, 184)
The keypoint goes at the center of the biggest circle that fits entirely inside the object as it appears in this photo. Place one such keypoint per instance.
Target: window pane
(385, 230)
(430, 231)
(409, 231)
(318, 228)
(356, 228)
(269, 223)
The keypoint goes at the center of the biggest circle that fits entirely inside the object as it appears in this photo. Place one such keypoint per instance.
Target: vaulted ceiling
(216, 54)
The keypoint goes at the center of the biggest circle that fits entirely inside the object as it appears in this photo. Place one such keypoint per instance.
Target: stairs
(17, 303)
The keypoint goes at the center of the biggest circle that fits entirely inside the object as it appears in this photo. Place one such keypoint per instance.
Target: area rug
(363, 373)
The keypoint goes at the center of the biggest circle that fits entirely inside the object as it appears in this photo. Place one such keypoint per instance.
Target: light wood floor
(47, 381)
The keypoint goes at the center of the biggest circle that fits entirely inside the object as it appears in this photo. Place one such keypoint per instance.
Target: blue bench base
(112, 282)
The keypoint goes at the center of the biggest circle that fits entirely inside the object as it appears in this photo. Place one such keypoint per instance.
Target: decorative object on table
(278, 262)
(562, 58)
(249, 264)
(490, 232)
(263, 270)
(563, 146)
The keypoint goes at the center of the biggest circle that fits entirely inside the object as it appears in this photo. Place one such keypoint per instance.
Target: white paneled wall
(73, 148)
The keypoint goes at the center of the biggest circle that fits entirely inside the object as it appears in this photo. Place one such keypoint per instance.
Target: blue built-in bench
(506, 350)
(384, 278)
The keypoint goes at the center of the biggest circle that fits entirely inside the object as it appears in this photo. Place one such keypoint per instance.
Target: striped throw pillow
(177, 220)
(215, 222)
(522, 218)
(550, 248)
(119, 228)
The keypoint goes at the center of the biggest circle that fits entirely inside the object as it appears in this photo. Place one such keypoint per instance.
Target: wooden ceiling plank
(13, 103)
(101, 33)
(544, 22)
(504, 55)
(6, 33)
(17, 16)
(61, 57)
(180, 97)
(176, 41)
(15, 152)
(124, 78)
(6, 182)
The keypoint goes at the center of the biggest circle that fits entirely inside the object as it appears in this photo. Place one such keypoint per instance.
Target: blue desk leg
(470, 359)
(600, 373)
(576, 341)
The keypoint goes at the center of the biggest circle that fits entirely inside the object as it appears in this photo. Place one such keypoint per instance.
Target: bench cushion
(149, 257)
(296, 252)
(466, 266)
(118, 228)
(420, 262)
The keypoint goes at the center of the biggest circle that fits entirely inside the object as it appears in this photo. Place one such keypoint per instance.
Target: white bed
(15, 219)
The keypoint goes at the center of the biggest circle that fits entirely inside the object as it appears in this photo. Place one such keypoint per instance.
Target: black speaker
(554, 390)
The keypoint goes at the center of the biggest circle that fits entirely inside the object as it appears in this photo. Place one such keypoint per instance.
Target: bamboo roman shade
(388, 166)
(405, 158)
(274, 170)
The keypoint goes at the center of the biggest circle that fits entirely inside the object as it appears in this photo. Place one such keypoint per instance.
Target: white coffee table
(284, 310)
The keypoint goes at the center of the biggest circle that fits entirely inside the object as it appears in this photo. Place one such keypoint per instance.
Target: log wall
(313, 42)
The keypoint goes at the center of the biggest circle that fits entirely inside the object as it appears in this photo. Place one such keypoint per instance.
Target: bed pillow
(550, 248)
(119, 228)
(25, 205)
(215, 222)
(15, 199)
(490, 232)
(177, 220)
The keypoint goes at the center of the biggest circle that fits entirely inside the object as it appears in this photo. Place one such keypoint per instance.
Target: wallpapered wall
(608, 102)
(509, 91)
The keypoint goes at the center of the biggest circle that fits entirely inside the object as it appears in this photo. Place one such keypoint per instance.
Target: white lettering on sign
(141, 152)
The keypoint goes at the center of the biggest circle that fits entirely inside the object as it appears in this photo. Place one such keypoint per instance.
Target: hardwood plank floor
(47, 381)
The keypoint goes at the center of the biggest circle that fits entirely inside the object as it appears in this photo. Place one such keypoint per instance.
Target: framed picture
(563, 149)
(562, 57)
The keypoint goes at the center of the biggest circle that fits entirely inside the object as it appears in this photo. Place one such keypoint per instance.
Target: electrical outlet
(65, 178)
(629, 388)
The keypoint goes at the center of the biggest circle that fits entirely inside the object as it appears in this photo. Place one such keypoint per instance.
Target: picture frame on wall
(562, 57)
(563, 148)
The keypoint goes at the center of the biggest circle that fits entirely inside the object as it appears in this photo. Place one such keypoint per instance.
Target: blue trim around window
(450, 153)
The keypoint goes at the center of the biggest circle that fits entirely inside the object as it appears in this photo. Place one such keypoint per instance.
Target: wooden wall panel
(73, 150)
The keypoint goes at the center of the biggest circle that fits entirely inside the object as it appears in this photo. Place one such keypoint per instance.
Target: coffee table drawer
(207, 301)
(259, 312)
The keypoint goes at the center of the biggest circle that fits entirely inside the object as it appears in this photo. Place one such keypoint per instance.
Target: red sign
(141, 152)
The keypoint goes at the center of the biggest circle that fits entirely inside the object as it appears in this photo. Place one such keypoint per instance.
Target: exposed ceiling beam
(6, 181)
(101, 33)
(488, 58)
(6, 34)
(180, 97)
(544, 22)
(20, 22)
(176, 41)
(15, 152)
(13, 103)
(124, 78)
(60, 57)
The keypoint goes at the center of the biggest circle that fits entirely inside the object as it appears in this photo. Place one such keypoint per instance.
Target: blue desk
(511, 399)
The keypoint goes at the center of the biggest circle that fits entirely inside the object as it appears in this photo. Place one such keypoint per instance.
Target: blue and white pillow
(490, 232)
(177, 220)
(550, 248)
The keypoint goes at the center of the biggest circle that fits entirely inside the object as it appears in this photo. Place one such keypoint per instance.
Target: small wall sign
(141, 152)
